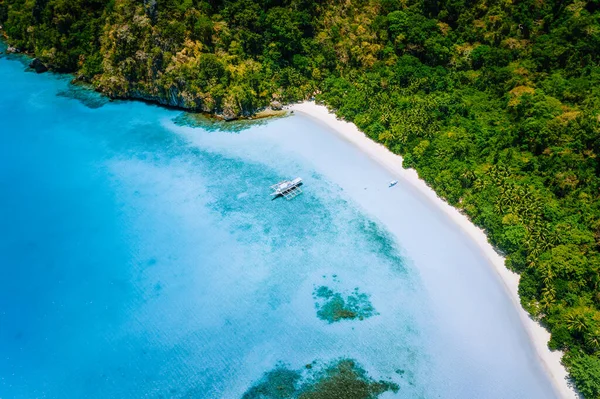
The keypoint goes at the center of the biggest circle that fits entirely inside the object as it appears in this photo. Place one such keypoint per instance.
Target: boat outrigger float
(288, 189)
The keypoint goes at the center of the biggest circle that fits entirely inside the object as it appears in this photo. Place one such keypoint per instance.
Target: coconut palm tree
(576, 321)
(592, 340)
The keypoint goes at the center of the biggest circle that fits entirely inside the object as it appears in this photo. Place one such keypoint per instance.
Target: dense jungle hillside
(496, 103)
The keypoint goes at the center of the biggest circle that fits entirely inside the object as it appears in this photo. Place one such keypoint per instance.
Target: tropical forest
(495, 103)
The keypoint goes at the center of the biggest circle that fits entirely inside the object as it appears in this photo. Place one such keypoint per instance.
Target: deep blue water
(139, 259)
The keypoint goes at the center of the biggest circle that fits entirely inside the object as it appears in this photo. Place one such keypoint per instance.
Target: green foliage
(495, 104)
(585, 371)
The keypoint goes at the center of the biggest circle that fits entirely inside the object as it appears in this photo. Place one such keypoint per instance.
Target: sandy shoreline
(539, 336)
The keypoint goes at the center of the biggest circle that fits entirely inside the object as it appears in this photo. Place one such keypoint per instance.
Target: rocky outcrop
(276, 106)
(171, 97)
(228, 114)
(175, 96)
(37, 65)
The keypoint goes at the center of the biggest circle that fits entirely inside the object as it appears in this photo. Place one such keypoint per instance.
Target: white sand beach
(550, 360)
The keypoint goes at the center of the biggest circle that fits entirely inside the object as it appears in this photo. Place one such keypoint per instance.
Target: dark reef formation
(343, 379)
(333, 307)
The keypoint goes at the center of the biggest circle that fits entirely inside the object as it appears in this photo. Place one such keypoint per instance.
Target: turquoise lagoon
(140, 258)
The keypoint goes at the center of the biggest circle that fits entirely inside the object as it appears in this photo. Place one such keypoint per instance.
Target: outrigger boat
(288, 188)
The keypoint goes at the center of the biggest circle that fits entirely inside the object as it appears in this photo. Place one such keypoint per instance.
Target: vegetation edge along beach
(495, 104)
(551, 360)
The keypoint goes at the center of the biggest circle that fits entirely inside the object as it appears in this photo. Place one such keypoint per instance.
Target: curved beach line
(551, 360)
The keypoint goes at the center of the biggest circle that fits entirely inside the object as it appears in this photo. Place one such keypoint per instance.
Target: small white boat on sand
(393, 183)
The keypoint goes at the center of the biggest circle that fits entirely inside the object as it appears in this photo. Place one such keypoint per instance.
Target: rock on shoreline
(37, 65)
(276, 105)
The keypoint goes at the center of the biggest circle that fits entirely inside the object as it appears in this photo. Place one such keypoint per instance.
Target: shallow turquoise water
(139, 259)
